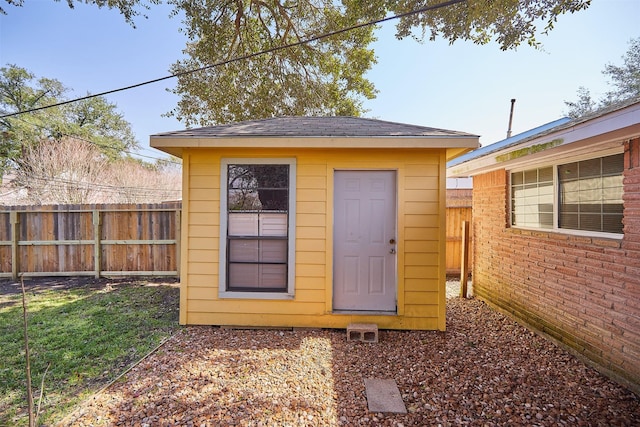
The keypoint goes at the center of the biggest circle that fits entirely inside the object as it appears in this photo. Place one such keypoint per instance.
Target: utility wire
(97, 144)
(61, 184)
(248, 56)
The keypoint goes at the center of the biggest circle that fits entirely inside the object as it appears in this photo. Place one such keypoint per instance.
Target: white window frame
(556, 203)
(291, 262)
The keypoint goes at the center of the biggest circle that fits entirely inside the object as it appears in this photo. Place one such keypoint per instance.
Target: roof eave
(597, 135)
(175, 145)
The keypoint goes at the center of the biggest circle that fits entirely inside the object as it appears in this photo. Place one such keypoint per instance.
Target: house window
(585, 195)
(257, 245)
(532, 198)
(590, 194)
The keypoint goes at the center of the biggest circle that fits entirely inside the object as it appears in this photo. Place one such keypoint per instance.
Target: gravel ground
(484, 370)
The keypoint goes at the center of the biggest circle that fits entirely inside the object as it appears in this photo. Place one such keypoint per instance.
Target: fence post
(178, 235)
(14, 219)
(97, 249)
(464, 259)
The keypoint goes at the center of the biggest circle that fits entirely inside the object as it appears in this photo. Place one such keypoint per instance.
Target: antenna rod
(513, 101)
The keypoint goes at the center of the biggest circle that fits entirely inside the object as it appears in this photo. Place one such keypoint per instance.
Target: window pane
(257, 277)
(517, 178)
(257, 224)
(591, 194)
(531, 176)
(545, 174)
(590, 222)
(613, 165)
(568, 171)
(258, 187)
(612, 223)
(569, 192)
(273, 276)
(273, 251)
(273, 224)
(244, 275)
(612, 208)
(546, 220)
(243, 251)
(258, 251)
(243, 224)
(532, 203)
(568, 220)
(589, 168)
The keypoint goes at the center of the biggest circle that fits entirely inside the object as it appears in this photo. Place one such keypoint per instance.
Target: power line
(97, 144)
(248, 56)
(58, 184)
(55, 183)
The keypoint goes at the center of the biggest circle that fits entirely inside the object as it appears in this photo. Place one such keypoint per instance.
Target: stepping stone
(383, 396)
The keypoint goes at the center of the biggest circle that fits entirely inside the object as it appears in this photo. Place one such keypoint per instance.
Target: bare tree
(134, 182)
(74, 171)
(65, 171)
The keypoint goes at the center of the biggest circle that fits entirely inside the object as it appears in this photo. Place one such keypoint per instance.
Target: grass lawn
(89, 335)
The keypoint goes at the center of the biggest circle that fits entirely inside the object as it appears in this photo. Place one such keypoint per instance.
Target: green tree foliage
(507, 22)
(583, 105)
(319, 78)
(326, 76)
(624, 79)
(19, 91)
(93, 119)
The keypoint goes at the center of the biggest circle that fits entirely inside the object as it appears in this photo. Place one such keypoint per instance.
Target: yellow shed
(314, 222)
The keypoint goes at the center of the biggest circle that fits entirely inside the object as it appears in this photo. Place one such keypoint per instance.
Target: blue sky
(462, 87)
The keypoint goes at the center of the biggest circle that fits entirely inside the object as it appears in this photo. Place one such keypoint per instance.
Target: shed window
(585, 196)
(257, 217)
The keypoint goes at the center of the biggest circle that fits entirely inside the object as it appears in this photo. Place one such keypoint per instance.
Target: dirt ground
(485, 370)
(39, 284)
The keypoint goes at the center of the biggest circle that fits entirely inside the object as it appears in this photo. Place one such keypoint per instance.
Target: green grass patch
(89, 336)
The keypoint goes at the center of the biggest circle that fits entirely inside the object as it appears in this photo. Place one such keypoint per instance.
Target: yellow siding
(421, 285)
(421, 213)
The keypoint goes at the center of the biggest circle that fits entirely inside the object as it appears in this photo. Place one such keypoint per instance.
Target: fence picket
(99, 240)
(118, 240)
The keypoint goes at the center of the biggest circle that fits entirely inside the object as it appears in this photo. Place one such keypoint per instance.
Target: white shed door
(364, 276)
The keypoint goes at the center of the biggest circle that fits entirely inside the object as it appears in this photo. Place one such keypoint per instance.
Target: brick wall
(584, 292)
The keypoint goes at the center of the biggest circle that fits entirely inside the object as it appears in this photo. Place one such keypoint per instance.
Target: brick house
(556, 220)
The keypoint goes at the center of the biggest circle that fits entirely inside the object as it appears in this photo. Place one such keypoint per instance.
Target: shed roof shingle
(313, 127)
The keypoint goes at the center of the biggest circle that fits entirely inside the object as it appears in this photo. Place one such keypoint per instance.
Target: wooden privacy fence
(455, 218)
(90, 240)
(120, 240)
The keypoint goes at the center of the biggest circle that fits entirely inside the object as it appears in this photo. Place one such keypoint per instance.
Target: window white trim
(291, 261)
(556, 189)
